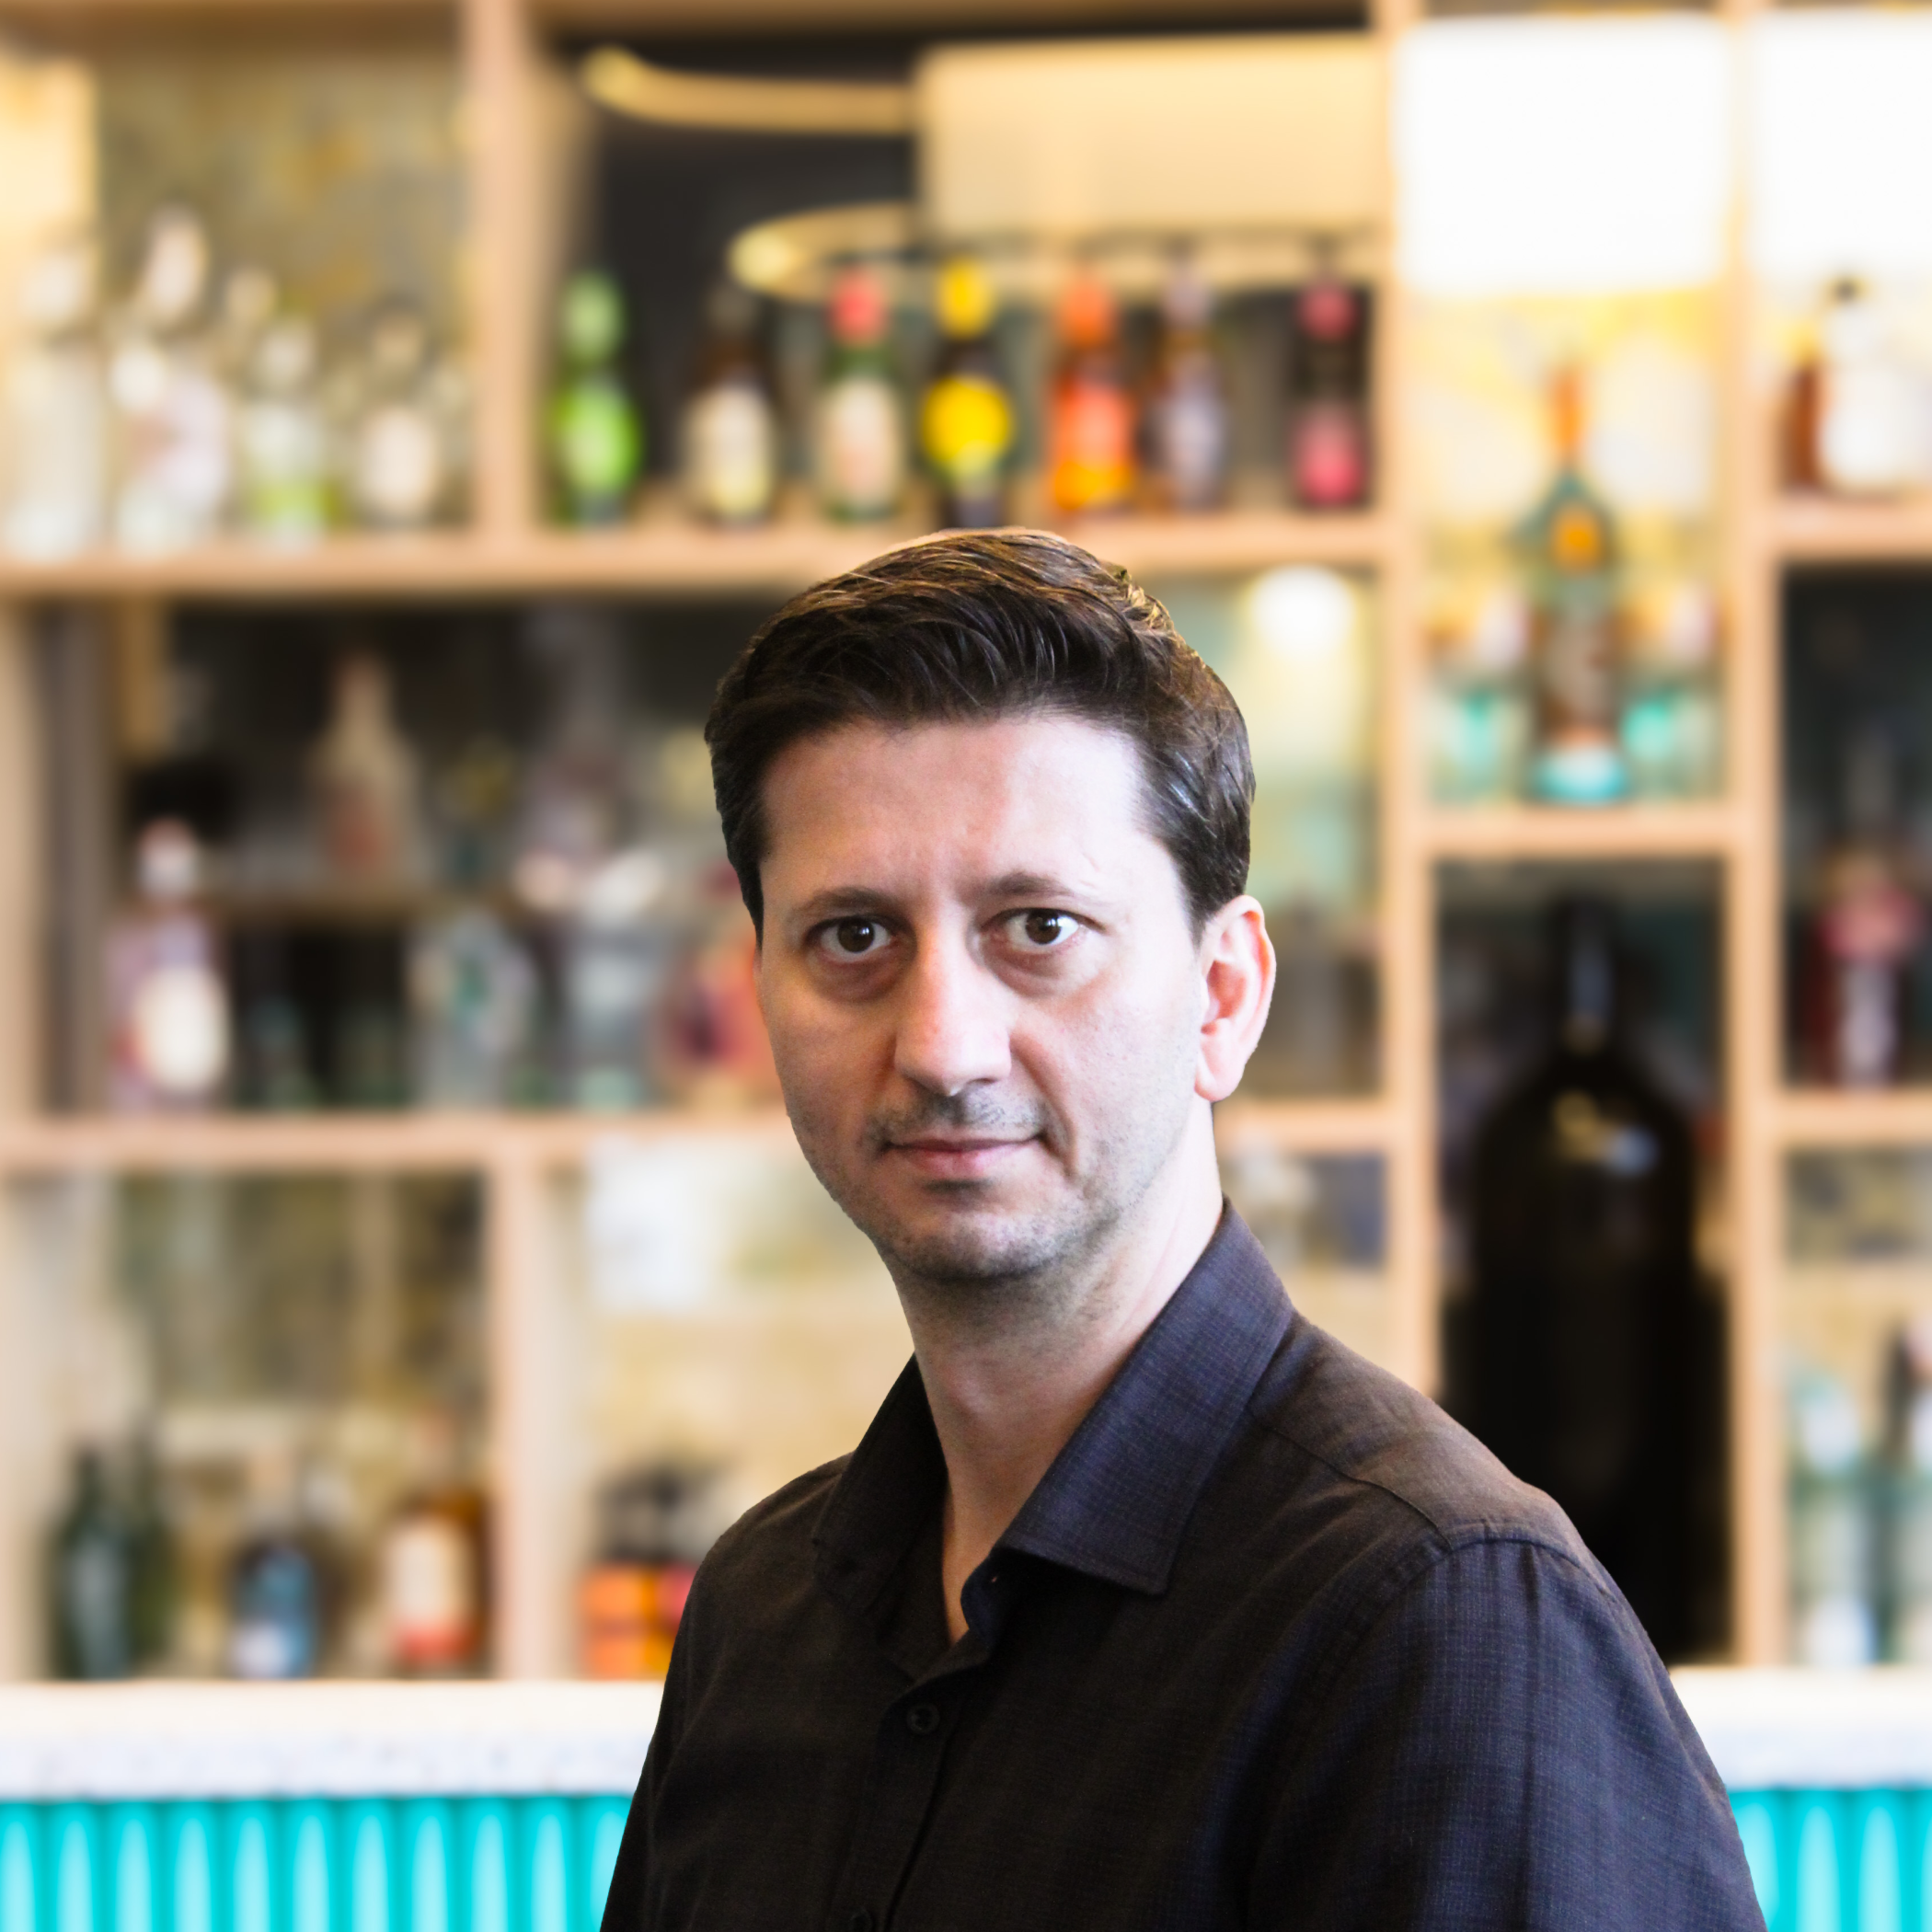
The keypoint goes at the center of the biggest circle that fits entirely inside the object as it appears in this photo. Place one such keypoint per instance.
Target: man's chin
(966, 1246)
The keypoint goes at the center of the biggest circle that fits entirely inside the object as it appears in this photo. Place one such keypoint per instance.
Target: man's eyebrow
(832, 900)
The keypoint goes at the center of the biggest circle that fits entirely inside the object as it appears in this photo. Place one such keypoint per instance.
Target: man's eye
(1041, 932)
(853, 938)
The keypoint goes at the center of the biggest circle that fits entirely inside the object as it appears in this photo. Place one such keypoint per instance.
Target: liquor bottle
(1835, 1621)
(173, 417)
(168, 1021)
(731, 435)
(276, 1604)
(1583, 1269)
(432, 1563)
(615, 960)
(1479, 709)
(861, 416)
(711, 1044)
(1871, 411)
(364, 783)
(1908, 1540)
(152, 1578)
(1865, 933)
(1186, 418)
(1091, 419)
(91, 1569)
(53, 416)
(966, 420)
(398, 455)
(1568, 553)
(1672, 720)
(283, 438)
(474, 995)
(596, 434)
(654, 1525)
(1329, 463)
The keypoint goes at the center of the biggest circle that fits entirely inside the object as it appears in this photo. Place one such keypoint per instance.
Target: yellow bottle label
(966, 427)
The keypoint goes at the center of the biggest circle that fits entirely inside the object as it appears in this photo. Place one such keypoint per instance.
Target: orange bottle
(1092, 418)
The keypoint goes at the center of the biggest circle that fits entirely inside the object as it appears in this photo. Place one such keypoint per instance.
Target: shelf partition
(1532, 832)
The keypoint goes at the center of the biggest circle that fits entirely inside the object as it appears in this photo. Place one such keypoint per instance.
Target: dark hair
(983, 626)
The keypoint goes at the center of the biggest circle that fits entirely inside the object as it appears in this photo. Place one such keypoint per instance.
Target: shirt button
(861, 1921)
(922, 1721)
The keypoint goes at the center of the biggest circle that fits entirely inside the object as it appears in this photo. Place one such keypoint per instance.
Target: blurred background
(407, 410)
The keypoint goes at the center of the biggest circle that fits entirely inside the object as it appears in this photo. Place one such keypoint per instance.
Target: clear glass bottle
(1091, 414)
(168, 1002)
(53, 415)
(966, 423)
(861, 414)
(365, 785)
(173, 416)
(1908, 1540)
(730, 430)
(1569, 552)
(1185, 415)
(400, 467)
(1869, 420)
(283, 439)
(474, 993)
(1835, 1621)
(596, 431)
(431, 1563)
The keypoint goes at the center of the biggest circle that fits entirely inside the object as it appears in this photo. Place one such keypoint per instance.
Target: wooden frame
(508, 551)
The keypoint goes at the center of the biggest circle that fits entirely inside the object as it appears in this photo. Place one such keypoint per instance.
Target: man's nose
(952, 1023)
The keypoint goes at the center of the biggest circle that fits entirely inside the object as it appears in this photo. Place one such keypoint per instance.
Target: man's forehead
(1062, 780)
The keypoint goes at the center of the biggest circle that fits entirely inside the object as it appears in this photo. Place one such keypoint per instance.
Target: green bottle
(596, 434)
(92, 1579)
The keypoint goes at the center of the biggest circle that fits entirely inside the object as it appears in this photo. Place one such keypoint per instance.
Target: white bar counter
(1765, 1729)
(322, 1739)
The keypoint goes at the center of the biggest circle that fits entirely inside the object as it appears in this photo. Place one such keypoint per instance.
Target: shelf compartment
(1513, 832)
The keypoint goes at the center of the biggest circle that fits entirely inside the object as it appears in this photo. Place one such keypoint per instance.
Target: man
(1143, 1604)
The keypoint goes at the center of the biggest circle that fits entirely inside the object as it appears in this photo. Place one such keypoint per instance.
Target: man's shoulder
(779, 1529)
(1393, 1460)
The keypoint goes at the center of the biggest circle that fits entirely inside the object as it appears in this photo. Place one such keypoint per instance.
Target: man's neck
(1005, 1401)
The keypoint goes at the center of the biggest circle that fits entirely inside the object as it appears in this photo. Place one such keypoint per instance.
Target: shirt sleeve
(1502, 1748)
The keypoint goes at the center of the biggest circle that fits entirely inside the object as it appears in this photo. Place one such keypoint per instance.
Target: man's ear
(1237, 981)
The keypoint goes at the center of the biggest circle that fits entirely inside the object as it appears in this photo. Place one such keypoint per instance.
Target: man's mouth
(956, 1156)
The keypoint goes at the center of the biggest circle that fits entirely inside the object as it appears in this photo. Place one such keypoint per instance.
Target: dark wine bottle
(92, 1577)
(1584, 1264)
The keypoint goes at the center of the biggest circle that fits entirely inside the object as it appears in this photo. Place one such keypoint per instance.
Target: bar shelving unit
(510, 76)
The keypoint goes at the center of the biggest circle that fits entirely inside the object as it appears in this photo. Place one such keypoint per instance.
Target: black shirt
(1275, 1643)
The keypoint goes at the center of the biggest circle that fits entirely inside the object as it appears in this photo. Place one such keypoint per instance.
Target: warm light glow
(1841, 144)
(1555, 156)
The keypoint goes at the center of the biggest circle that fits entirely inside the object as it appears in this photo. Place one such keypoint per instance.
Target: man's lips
(956, 1156)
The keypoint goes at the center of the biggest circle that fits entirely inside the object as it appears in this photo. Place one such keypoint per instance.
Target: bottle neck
(1588, 1008)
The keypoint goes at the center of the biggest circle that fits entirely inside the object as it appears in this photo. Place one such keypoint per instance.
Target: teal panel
(250, 1875)
(486, 1861)
(429, 1866)
(548, 1865)
(24, 1892)
(601, 1831)
(1758, 1828)
(134, 1868)
(1878, 1837)
(75, 1845)
(311, 1880)
(376, 1901)
(193, 1886)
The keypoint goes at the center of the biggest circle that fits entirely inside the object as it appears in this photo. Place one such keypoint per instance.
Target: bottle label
(1093, 447)
(178, 1027)
(732, 454)
(1329, 460)
(861, 449)
(430, 1591)
(398, 469)
(968, 428)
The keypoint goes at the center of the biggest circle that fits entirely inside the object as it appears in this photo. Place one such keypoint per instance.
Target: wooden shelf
(348, 1143)
(673, 558)
(1812, 530)
(1315, 1126)
(1900, 1117)
(377, 1142)
(1543, 831)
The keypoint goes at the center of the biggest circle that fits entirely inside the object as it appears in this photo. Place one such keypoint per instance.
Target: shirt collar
(1117, 1499)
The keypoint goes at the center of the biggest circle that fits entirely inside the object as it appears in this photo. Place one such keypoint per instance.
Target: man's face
(983, 993)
